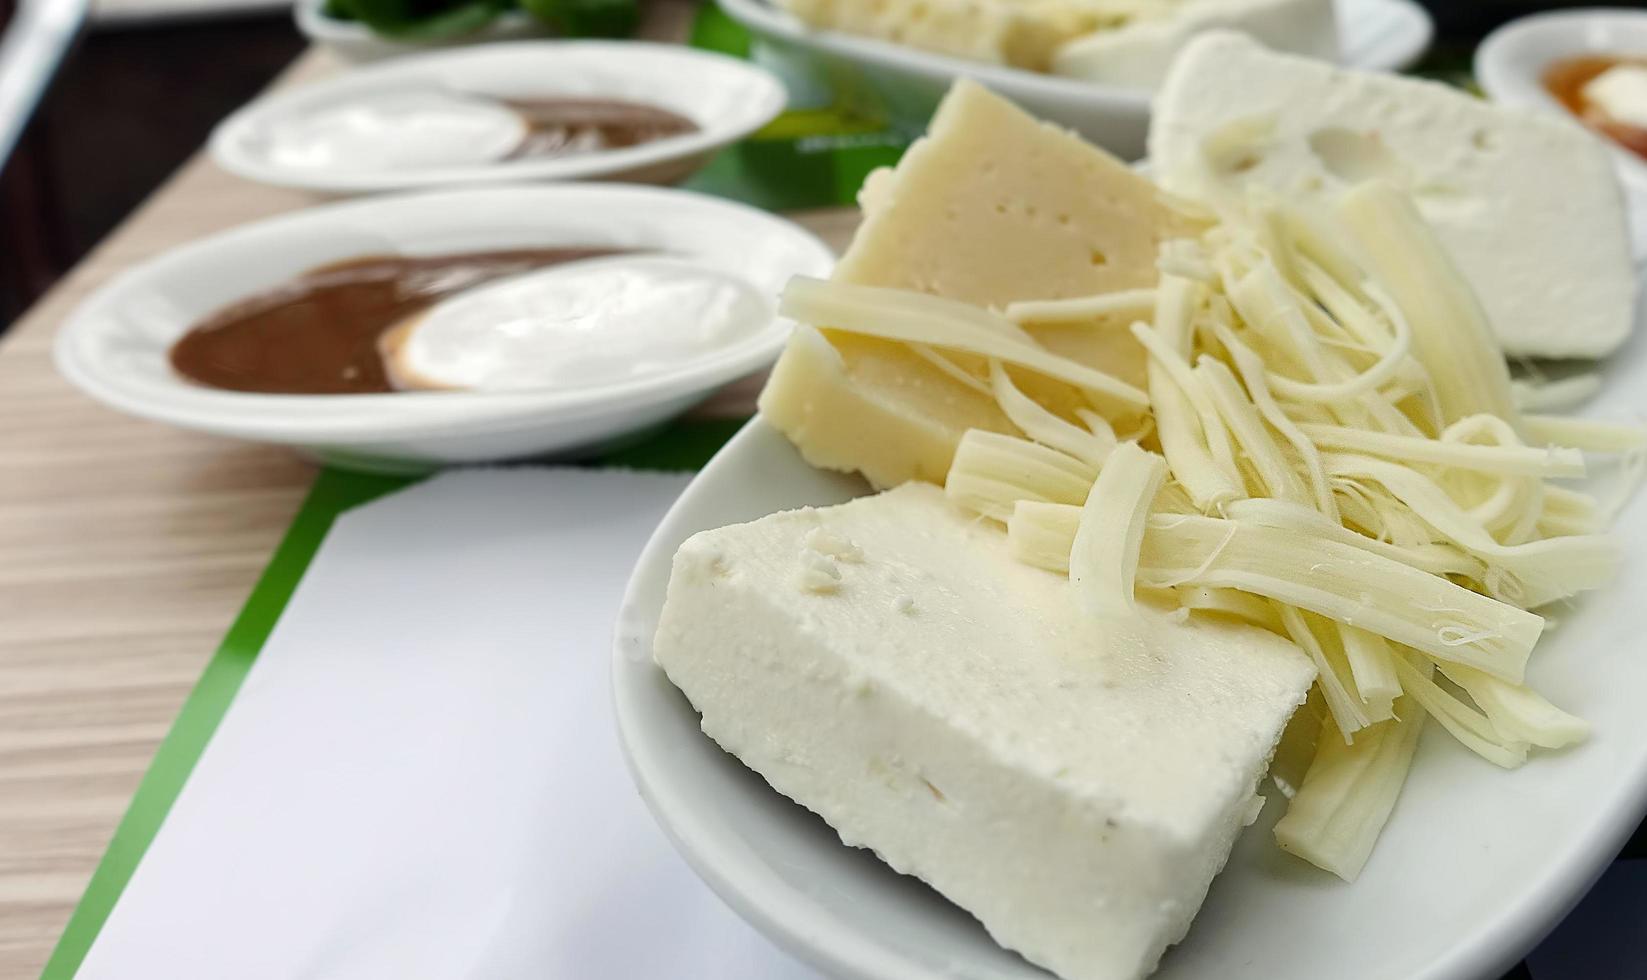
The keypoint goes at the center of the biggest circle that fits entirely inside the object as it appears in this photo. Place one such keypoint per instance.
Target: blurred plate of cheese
(1090, 65)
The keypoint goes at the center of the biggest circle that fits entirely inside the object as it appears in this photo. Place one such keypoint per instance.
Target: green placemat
(683, 446)
(814, 155)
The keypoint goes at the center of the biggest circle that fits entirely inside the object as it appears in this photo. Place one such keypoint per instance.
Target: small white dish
(1475, 866)
(115, 345)
(353, 41)
(727, 99)
(1381, 35)
(1510, 63)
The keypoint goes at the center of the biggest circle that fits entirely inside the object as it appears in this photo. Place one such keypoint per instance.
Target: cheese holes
(1355, 157)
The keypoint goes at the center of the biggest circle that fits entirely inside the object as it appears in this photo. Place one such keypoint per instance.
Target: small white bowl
(115, 345)
(1510, 63)
(1379, 35)
(727, 99)
(354, 41)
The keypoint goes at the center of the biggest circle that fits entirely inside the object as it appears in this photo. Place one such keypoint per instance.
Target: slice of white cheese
(990, 207)
(993, 205)
(1138, 54)
(1074, 784)
(1526, 203)
(870, 406)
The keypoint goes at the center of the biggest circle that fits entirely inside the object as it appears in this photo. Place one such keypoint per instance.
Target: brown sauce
(318, 334)
(1565, 79)
(562, 127)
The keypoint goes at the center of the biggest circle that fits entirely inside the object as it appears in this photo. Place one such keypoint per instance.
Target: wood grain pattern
(126, 548)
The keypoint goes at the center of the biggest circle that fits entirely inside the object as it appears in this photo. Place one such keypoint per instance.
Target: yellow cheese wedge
(992, 206)
(856, 403)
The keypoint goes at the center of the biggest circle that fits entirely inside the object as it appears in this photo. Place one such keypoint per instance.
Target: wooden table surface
(126, 548)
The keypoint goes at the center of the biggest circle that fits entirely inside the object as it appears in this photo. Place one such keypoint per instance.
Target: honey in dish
(1565, 80)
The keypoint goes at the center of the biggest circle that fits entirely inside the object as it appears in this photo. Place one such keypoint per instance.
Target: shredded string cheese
(1091, 445)
(1451, 337)
(915, 318)
(991, 472)
(1230, 602)
(1103, 559)
(1127, 302)
(1347, 794)
(1177, 425)
(1329, 448)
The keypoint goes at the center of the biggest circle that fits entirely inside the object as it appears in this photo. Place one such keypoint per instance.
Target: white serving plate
(1475, 866)
(726, 97)
(114, 346)
(356, 42)
(1512, 59)
(1383, 35)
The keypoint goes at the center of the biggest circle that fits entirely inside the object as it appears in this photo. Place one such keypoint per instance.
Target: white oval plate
(114, 346)
(1475, 866)
(1380, 35)
(726, 97)
(354, 41)
(1510, 62)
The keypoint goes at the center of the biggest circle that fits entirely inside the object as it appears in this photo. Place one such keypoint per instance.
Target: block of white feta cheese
(1527, 204)
(1074, 784)
(1137, 55)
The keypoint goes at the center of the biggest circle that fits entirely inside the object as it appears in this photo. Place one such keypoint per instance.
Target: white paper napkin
(421, 777)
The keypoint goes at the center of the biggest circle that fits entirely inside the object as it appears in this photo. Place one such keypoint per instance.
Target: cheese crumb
(827, 542)
(904, 604)
(818, 573)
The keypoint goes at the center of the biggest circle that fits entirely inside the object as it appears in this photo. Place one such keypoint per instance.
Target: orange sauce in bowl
(1565, 79)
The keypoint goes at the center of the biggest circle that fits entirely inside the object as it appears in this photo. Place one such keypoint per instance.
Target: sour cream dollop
(399, 130)
(583, 324)
(1620, 93)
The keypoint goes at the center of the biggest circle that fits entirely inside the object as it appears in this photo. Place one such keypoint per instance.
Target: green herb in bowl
(438, 20)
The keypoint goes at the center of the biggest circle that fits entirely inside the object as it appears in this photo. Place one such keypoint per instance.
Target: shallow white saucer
(1382, 35)
(1510, 63)
(727, 99)
(114, 346)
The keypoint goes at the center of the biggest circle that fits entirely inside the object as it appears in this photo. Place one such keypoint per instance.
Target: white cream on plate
(1621, 93)
(399, 130)
(582, 324)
